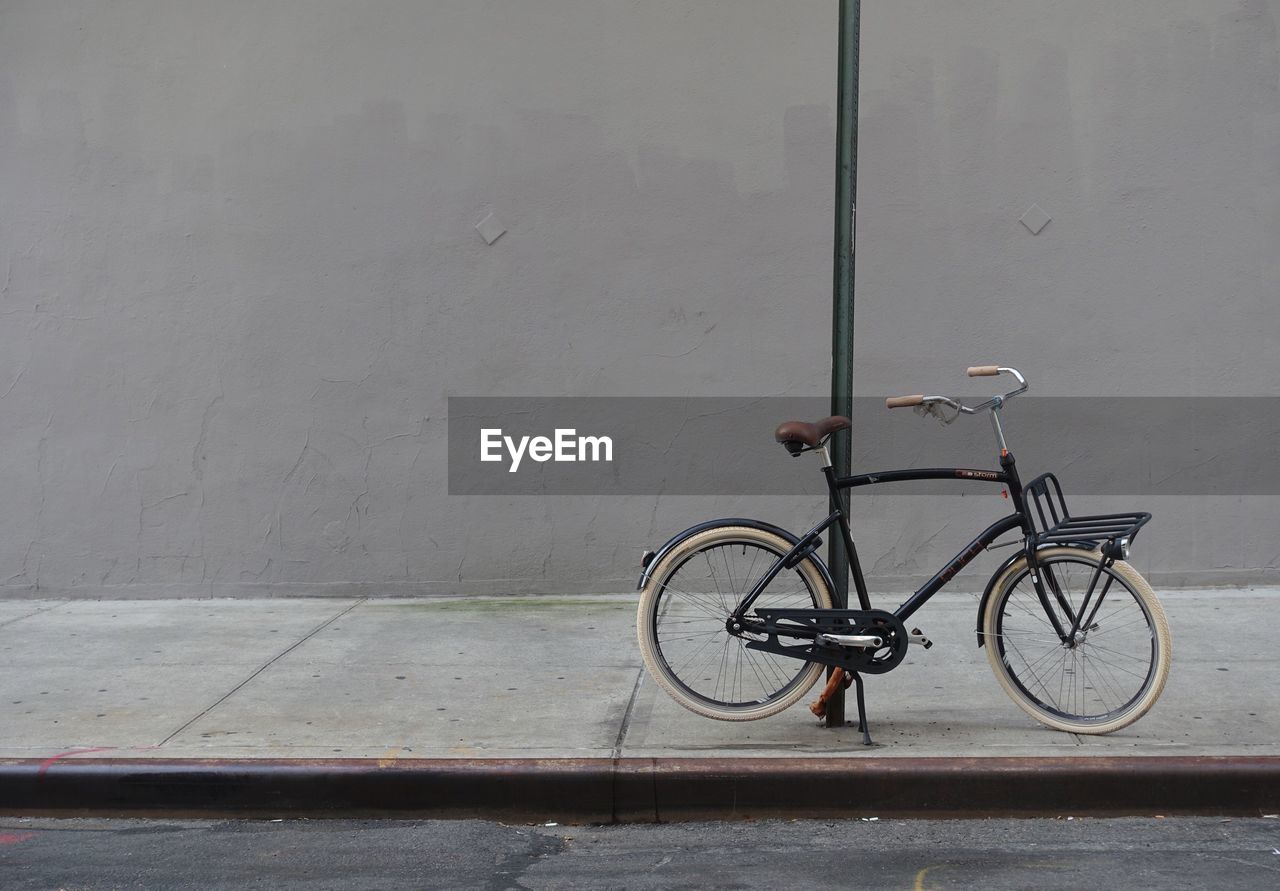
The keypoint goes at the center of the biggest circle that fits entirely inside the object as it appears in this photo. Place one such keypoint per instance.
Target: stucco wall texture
(239, 274)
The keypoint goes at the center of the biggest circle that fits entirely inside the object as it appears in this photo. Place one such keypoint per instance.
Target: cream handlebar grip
(904, 401)
(983, 370)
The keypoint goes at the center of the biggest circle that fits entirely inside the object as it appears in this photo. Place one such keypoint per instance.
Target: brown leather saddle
(810, 434)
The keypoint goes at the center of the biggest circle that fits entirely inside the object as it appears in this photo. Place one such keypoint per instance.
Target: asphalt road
(1128, 853)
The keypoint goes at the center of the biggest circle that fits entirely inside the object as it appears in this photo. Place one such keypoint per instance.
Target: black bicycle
(737, 622)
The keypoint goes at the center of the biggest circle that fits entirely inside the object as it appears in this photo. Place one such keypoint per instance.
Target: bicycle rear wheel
(1117, 667)
(682, 624)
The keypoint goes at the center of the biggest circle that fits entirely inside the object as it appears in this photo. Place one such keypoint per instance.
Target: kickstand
(862, 712)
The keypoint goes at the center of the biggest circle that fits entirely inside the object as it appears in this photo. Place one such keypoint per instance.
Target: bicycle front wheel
(1113, 672)
(683, 631)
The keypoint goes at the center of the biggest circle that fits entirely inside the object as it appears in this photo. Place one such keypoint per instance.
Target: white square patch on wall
(1035, 219)
(490, 229)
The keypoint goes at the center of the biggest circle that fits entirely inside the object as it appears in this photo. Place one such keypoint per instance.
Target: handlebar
(995, 402)
(904, 401)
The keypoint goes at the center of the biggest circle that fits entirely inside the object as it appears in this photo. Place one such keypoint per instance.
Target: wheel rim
(691, 640)
(1110, 669)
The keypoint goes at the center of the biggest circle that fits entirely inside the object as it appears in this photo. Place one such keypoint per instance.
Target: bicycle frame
(1111, 532)
(1019, 519)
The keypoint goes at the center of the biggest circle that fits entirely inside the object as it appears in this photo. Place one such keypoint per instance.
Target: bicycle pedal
(917, 637)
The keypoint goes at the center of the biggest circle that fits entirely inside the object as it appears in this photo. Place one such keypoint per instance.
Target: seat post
(840, 499)
(824, 454)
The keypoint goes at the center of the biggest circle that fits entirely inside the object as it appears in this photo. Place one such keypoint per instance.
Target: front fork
(1049, 592)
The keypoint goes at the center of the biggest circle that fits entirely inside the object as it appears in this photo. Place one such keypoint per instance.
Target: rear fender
(653, 558)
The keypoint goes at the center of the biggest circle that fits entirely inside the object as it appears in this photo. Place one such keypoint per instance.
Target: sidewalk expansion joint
(272, 661)
(626, 716)
(39, 612)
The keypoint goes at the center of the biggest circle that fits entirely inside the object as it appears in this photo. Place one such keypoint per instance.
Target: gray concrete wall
(240, 275)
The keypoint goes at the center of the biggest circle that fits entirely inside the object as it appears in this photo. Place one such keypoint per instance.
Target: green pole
(842, 304)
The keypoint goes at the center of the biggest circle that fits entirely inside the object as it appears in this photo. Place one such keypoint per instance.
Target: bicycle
(729, 607)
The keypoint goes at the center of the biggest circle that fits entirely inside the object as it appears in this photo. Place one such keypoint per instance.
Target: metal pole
(842, 304)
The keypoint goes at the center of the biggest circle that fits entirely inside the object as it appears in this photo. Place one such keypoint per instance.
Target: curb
(628, 790)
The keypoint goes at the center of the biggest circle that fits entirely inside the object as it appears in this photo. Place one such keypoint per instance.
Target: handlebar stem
(995, 424)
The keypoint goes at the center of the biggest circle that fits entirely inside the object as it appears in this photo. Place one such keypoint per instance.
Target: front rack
(1055, 525)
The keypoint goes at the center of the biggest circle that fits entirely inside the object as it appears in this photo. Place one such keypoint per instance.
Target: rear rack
(1055, 525)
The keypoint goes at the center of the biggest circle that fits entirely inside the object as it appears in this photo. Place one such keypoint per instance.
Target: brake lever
(934, 409)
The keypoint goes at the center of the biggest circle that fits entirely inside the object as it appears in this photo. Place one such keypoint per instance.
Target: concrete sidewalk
(537, 709)
(544, 677)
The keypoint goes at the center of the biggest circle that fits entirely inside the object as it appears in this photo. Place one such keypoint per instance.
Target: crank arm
(874, 641)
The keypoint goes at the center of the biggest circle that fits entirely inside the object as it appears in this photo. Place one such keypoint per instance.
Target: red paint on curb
(49, 762)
